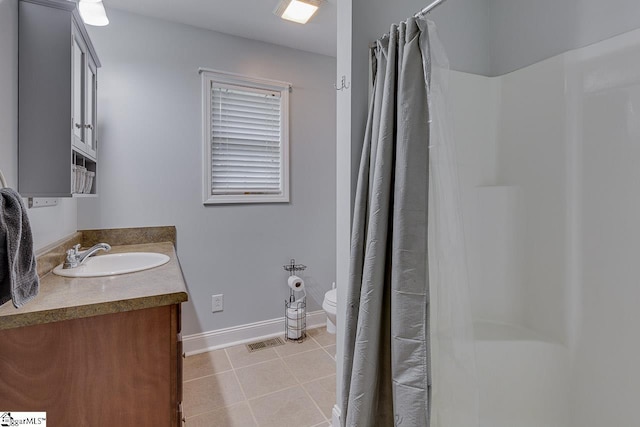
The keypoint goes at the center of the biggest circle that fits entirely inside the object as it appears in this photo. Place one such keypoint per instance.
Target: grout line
(235, 375)
(318, 379)
(301, 385)
(302, 352)
(211, 409)
(206, 376)
(216, 410)
(313, 400)
(286, 367)
(332, 356)
(324, 347)
(297, 354)
(226, 354)
(274, 392)
(316, 341)
(256, 364)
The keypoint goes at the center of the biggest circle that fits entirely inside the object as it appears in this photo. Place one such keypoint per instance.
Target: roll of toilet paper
(295, 316)
(295, 322)
(294, 334)
(295, 283)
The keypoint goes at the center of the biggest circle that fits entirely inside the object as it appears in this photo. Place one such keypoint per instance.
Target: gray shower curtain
(387, 377)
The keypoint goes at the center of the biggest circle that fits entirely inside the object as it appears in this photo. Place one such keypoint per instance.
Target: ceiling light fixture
(299, 11)
(92, 13)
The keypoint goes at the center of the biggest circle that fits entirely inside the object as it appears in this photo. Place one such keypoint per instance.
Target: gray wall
(48, 224)
(151, 155)
(523, 32)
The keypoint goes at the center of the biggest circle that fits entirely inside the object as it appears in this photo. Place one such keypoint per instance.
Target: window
(246, 139)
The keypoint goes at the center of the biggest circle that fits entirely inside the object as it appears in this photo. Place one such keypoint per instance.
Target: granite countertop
(63, 298)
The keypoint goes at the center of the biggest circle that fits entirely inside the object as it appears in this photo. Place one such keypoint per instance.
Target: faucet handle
(72, 257)
(73, 252)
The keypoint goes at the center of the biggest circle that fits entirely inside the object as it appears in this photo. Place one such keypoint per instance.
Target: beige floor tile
(287, 408)
(323, 392)
(331, 349)
(322, 337)
(231, 416)
(200, 365)
(241, 357)
(311, 365)
(264, 378)
(324, 424)
(210, 393)
(290, 348)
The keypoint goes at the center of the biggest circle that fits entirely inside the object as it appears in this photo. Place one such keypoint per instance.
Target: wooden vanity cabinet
(121, 369)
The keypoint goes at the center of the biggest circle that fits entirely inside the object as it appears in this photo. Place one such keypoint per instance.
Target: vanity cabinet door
(176, 363)
(110, 370)
(91, 87)
(78, 59)
(83, 76)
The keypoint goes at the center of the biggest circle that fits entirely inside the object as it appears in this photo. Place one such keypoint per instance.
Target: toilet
(329, 307)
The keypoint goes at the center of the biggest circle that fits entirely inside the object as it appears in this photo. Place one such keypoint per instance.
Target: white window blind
(245, 137)
(245, 140)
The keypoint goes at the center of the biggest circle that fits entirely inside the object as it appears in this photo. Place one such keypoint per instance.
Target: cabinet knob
(89, 126)
(79, 126)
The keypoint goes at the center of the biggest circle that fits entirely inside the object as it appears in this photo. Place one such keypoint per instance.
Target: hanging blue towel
(18, 275)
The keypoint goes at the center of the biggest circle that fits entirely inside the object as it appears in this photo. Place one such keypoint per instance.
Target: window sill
(237, 199)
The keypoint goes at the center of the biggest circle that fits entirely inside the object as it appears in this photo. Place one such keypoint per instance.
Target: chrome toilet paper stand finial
(292, 267)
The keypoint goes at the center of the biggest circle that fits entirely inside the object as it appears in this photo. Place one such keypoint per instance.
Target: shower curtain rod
(423, 12)
(429, 8)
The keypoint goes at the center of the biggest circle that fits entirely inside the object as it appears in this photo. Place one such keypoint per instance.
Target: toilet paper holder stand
(295, 313)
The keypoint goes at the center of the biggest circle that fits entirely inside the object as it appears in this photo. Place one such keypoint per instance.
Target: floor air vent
(261, 345)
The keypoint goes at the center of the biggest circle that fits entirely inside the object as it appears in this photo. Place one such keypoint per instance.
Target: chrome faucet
(76, 259)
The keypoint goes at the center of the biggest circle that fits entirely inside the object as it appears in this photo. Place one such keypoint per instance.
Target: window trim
(208, 77)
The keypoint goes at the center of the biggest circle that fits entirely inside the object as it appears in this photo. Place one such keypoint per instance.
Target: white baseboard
(221, 338)
(335, 416)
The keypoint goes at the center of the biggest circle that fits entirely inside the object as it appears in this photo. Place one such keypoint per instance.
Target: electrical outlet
(217, 303)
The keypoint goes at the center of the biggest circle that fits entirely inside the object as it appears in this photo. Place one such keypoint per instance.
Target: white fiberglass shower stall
(549, 166)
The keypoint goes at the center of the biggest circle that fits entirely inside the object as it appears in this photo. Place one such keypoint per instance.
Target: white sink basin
(112, 264)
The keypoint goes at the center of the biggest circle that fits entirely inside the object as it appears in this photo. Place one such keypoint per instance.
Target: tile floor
(287, 386)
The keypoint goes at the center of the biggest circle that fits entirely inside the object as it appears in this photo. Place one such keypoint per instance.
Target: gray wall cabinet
(57, 87)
